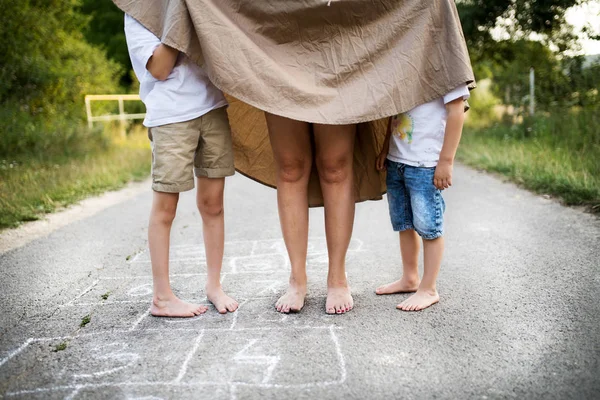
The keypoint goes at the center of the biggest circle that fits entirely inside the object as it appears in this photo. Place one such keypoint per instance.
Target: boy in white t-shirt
(190, 135)
(418, 154)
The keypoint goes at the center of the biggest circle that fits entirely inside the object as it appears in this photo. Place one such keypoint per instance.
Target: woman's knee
(334, 169)
(293, 170)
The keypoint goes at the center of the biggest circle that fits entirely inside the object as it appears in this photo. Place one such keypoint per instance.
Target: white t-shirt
(418, 135)
(185, 95)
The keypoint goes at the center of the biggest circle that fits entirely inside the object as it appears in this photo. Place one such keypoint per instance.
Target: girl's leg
(290, 141)
(409, 250)
(164, 302)
(335, 149)
(209, 199)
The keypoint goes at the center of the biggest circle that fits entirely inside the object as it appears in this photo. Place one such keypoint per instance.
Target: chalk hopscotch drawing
(256, 356)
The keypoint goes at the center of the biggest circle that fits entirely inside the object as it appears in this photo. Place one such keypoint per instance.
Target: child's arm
(162, 62)
(454, 125)
(380, 162)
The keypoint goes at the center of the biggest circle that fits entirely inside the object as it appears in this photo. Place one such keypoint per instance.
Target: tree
(106, 31)
(545, 17)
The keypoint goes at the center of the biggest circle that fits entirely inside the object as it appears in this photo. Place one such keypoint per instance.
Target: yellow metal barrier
(122, 116)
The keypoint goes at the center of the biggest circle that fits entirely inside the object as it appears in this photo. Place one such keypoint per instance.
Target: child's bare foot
(339, 300)
(419, 301)
(220, 300)
(403, 285)
(292, 300)
(175, 307)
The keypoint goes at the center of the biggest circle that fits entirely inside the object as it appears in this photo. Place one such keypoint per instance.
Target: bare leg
(164, 302)
(427, 294)
(409, 250)
(335, 147)
(209, 199)
(290, 141)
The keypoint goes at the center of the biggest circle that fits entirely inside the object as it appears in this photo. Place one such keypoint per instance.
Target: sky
(582, 15)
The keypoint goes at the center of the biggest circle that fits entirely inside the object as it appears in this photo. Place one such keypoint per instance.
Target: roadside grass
(556, 154)
(34, 184)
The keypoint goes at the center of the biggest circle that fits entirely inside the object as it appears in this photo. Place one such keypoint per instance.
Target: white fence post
(531, 91)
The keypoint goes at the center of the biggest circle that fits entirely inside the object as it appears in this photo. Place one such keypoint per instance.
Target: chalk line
(184, 366)
(139, 320)
(15, 352)
(86, 290)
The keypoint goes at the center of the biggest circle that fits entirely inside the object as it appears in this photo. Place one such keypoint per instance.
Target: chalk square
(268, 358)
(113, 358)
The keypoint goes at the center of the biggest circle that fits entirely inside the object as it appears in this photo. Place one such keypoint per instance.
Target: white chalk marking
(137, 255)
(16, 352)
(139, 320)
(272, 288)
(141, 290)
(184, 366)
(73, 394)
(340, 354)
(270, 361)
(86, 290)
(118, 355)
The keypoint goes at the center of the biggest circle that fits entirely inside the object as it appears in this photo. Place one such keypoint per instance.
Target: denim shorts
(415, 203)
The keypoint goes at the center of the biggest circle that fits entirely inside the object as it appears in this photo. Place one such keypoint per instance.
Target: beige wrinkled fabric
(351, 61)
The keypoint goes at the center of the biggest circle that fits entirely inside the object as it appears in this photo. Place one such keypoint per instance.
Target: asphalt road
(519, 315)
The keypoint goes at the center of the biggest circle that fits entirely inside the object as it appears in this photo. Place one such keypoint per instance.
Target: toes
(330, 310)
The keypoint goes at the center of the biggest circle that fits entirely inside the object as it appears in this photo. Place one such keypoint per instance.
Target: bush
(46, 69)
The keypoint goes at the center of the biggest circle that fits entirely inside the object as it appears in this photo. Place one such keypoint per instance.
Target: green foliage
(555, 153)
(483, 106)
(478, 17)
(46, 68)
(85, 320)
(106, 30)
(31, 185)
(60, 347)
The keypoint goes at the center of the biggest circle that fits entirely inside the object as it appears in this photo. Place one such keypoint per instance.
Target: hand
(442, 179)
(380, 162)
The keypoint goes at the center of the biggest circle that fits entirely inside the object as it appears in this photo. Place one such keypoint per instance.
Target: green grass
(85, 320)
(60, 347)
(556, 154)
(34, 184)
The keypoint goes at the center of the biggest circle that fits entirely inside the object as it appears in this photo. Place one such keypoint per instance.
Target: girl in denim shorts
(418, 154)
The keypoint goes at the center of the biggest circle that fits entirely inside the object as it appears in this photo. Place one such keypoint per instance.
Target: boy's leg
(427, 294)
(164, 302)
(209, 199)
(213, 161)
(409, 250)
(402, 221)
(334, 159)
(428, 218)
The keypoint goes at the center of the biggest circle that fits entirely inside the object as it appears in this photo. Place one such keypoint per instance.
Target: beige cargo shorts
(200, 147)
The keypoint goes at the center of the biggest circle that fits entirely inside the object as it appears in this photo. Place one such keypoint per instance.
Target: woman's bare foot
(339, 300)
(419, 301)
(220, 300)
(403, 285)
(175, 307)
(292, 300)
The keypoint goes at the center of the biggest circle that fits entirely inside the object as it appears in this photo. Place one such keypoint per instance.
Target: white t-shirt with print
(418, 135)
(185, 95)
